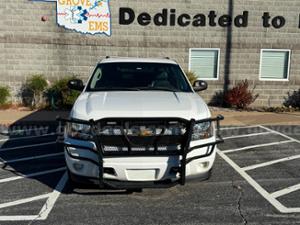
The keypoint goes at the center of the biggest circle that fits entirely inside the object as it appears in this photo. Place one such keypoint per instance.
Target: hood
(98, 105)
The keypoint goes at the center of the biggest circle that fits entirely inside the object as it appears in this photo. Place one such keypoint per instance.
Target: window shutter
(204, 63)
(274, 64)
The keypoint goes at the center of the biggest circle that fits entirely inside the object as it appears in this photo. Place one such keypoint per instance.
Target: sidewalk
(232, 118)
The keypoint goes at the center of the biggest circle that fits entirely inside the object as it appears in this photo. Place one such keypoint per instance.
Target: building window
(275, 64)
(205, 63)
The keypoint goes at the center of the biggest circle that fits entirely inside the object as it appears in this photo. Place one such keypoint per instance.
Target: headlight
(202, 130)
(79, 131)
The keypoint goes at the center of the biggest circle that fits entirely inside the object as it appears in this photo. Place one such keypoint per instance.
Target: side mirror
(76, 84)
(200, 85)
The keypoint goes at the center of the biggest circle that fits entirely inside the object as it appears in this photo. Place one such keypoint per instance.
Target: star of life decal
(84, 16)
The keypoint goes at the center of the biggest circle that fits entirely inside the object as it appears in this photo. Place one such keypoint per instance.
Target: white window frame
(206, 49)
(275, 50)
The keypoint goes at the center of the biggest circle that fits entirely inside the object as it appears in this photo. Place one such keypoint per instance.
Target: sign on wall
(84, 16)
(94, 17)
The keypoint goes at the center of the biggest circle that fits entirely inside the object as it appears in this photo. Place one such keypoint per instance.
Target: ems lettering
(98, 26)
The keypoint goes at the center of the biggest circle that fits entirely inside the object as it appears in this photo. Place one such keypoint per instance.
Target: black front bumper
(123, 139)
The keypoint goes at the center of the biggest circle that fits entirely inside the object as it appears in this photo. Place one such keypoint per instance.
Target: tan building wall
(29, 45)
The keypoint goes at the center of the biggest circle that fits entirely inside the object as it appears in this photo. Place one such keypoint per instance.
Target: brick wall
(29, 46)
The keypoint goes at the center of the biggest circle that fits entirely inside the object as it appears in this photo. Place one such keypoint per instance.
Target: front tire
(208, 175)
(73, 182)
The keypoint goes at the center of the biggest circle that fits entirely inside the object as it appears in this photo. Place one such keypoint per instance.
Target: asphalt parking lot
(255, 181)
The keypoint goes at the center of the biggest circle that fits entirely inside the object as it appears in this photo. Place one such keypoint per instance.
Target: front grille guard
(183, 152)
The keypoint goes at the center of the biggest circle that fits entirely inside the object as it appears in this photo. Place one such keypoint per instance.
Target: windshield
(138, 76)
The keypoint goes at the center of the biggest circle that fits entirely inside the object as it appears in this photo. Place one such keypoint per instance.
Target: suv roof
(137, 60)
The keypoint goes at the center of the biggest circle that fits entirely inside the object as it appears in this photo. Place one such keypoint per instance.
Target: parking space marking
(257, 146)
(31, 175)
(29, 137)
(18, 218)
(281, 134)
(50, 198)
(248, 135)
(270, 197)
(3, 162)
(252, 167)
(233, 128)
(47, 207)
(286, 191)
(254, 184)
(12, 131)
(30, 158)
(54, 195)
(27, 146)
(25, 200)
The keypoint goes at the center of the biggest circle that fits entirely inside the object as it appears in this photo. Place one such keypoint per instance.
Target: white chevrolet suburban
(139, 123)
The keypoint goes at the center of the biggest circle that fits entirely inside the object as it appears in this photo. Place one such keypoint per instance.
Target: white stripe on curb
(252, 167)
(32, 175)
(31, 158)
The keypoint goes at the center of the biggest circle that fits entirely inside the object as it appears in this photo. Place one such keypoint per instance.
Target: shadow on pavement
(28, 147)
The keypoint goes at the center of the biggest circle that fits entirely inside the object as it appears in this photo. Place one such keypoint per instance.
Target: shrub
(4, 94)
(293, 99)
(36, 84)
(191, 76)
(60, 96)
(217, 99)
(240, 96)
(26, 95)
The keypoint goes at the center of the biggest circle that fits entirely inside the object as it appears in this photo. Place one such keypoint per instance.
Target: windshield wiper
(116, 89)
(157, 89)
(136, 89)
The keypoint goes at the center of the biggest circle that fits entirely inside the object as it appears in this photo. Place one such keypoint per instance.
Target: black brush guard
(130, 143)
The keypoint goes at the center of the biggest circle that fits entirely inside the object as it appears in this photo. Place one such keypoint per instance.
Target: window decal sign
(84, 16)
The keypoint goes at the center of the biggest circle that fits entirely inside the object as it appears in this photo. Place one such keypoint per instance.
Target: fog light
(78, 166)
(204, 165)
(110, 171)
